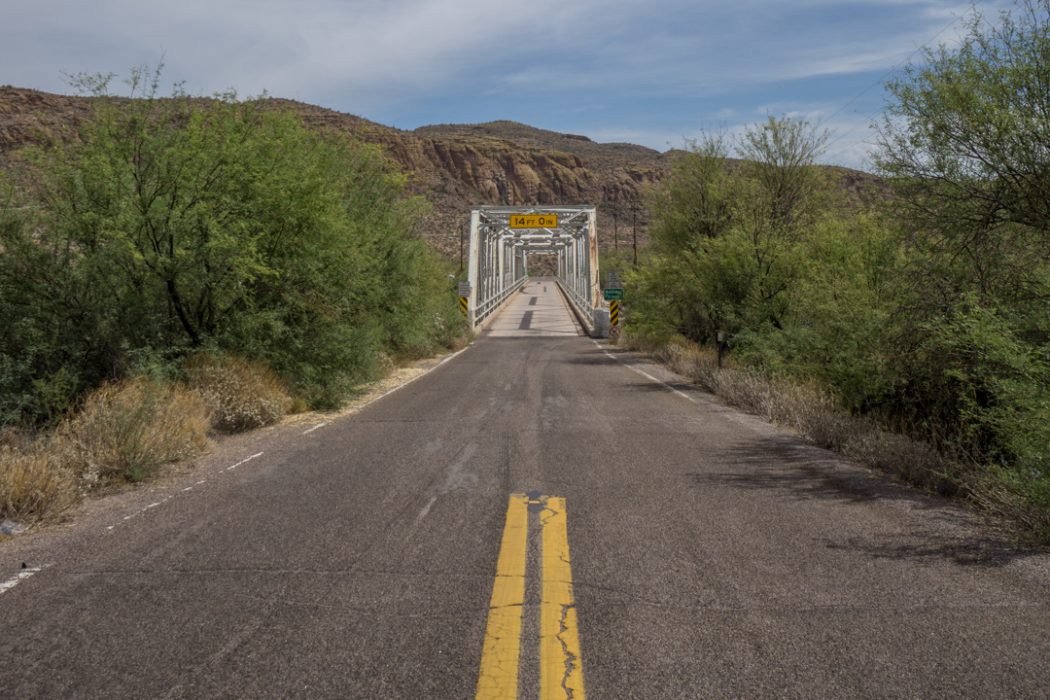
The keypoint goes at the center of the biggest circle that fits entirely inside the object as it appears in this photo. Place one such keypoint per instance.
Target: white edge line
(18, 578)
(360, 408)
(317, 427)
(418, 376)
(457, 352)
(426, 509)
(645, 374)
(658, 381)
(246, 459)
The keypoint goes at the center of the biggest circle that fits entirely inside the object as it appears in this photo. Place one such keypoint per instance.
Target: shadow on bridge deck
(537, 310)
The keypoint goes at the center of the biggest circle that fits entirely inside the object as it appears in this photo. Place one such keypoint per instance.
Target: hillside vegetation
(927, 314)
(453, 167)
(182, 259)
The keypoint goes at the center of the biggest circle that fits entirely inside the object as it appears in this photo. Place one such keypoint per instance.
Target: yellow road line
(501, 652)
(561, 666)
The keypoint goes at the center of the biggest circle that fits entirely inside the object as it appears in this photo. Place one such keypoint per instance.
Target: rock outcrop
(453, 166)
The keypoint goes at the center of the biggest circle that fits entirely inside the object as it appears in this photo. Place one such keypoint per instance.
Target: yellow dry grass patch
(241, 395)
(129, 429)
(34, 485)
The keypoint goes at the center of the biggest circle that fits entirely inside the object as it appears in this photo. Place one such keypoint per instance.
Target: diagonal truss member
(499, 254)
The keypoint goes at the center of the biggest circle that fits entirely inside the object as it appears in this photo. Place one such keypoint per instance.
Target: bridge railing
(502, 239)
(572, 286)
(487, 306)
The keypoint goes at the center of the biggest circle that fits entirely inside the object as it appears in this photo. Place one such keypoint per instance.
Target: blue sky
(653, 72)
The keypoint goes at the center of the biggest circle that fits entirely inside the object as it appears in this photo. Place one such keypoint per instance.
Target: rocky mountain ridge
(453, 166)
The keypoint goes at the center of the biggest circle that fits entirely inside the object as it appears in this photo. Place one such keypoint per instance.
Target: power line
(895, 67)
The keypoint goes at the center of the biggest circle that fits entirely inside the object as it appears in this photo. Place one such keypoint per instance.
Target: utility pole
(634, 223)
(461, 250)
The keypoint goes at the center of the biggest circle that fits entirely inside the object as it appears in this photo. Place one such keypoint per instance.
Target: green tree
(967, 144)
(966, 141)
(838, 312)
(726, 232)
(178, 224)
(779, 156)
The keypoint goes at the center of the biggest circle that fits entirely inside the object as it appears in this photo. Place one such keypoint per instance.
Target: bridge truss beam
(499, 256)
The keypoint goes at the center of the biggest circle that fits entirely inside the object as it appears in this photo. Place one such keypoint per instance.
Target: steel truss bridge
(500, 252)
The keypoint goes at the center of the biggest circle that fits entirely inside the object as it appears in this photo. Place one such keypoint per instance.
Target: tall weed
(35, 484)
(241, 395)
(126, 431)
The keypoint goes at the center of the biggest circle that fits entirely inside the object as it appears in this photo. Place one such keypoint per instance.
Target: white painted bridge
(504, 239)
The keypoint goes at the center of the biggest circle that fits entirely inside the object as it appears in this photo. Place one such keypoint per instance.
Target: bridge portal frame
(498, 263)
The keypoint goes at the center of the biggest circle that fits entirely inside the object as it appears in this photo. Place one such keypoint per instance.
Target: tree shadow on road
(968, 550)
(592, 358)
(596, 356)
(787, 465)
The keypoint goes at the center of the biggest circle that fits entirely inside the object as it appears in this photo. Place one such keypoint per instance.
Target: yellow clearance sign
(534, 221)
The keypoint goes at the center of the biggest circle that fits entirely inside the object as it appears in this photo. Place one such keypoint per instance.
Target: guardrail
(595, 321)
(570, 290)
(486, 308)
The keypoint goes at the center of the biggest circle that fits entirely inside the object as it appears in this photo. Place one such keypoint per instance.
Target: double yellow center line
(561, 666)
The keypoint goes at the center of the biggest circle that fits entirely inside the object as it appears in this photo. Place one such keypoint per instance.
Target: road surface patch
(643, 373)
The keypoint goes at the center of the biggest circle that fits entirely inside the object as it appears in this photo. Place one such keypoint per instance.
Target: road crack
(570, 659)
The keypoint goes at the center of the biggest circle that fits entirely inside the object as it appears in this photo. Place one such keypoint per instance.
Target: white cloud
(369, 56)
(382, 47)
(314, 45)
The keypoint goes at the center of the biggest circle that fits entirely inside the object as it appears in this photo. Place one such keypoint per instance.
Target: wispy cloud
(657, 68)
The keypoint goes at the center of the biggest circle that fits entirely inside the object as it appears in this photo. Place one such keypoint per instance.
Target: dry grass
(35, 485)
(816, 415)
(241, 395)
(1017, 497)
(125, 431)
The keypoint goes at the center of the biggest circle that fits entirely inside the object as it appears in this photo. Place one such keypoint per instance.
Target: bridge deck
(538, 310)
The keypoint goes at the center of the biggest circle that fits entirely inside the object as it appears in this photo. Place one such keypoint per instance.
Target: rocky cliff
(453, 166)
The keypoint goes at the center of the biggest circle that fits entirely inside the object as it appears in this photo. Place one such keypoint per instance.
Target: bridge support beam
(499, 255)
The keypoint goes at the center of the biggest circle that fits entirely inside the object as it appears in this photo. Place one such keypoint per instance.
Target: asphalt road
(712, 555)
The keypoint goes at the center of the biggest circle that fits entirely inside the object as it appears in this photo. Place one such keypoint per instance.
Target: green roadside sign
(613, 293)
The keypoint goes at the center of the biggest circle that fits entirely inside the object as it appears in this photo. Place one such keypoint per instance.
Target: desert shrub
(914, 461)
(127, 430)
(178, 224)
(240, 395)
(1017, 495)
(978, 384)
(35, 484)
